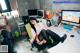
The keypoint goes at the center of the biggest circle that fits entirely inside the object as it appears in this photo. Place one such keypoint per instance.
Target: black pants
(49, 36)
(53, 35)
(45, 34)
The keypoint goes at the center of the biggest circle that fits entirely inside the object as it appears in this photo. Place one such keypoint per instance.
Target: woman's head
(33, 21)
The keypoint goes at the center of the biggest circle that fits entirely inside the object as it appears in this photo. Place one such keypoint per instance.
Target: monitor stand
(68, 27)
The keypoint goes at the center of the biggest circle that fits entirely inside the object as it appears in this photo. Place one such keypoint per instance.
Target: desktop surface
(70, 45)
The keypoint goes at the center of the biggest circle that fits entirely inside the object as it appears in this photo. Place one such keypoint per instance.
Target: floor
(70, 45)
(23, 47)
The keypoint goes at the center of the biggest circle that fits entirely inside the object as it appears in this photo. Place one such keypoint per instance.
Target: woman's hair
(33, 27)
(32, 18)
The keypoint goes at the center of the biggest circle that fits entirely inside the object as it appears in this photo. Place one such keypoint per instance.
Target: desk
(70, 45)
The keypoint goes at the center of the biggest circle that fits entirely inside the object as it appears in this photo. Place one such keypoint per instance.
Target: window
(3, 4)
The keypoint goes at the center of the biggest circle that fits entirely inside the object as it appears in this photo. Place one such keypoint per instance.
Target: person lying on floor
(43, 35)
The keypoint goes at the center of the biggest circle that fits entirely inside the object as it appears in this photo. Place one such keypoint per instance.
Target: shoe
(63, 38)
(38, 50)
(45, 51)
(31, 49)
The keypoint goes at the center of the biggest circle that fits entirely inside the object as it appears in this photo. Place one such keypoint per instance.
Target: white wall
(50, 5)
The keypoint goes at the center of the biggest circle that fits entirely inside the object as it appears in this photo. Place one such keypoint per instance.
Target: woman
(43, 35)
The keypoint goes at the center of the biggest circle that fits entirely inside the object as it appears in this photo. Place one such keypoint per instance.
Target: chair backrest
(29, 31)
(28, 27)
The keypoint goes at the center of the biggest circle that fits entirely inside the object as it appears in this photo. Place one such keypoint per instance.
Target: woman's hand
(32, 39)
(42, 42)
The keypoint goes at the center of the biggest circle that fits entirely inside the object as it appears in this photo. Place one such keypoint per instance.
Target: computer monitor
(32, 12)
(72, 16)
(40, 13)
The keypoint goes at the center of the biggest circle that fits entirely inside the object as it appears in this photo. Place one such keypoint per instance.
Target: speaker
(26, 19)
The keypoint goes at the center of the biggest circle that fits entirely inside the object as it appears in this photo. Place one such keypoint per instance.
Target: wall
(45, 4)
(67, 6)
(33, 4)
(48, 4)
(24, 5)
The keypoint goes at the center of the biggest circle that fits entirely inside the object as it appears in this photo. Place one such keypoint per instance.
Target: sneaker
(45, 51)
(33, 49)
(63, 38)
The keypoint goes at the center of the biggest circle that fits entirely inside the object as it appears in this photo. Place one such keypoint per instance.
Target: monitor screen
(40, 13)
(71, 16)
(32, 12)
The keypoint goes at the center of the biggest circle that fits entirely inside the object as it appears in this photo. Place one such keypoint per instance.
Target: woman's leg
(42, 36)
(55, 36)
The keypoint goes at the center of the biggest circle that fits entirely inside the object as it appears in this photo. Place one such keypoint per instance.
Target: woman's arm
(33, 36)
(37, 40)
